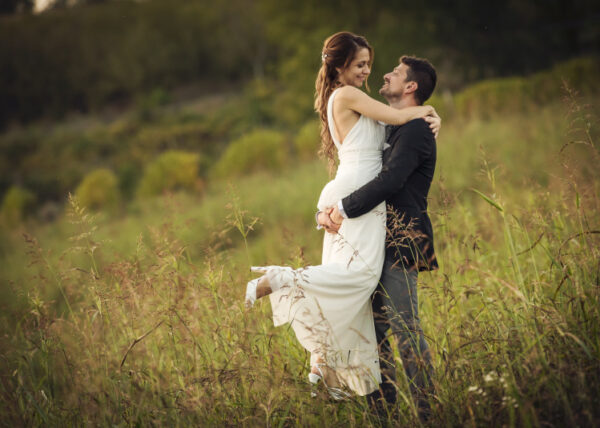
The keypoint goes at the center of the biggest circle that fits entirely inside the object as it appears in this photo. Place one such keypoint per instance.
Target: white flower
(490, 377)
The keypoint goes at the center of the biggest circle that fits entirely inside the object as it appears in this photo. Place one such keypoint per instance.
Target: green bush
(172, 170)
(99, 190)
(580, 74)
(16, 204)
(489, 97)
(521, 94)
(259, 150)
(308, 140)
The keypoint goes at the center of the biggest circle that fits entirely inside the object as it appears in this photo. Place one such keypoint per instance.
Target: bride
(329, 305)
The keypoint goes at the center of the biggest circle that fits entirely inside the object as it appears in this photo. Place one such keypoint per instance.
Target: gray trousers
(396, 309)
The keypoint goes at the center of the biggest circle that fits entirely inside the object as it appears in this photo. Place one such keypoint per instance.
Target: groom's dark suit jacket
(404, 181)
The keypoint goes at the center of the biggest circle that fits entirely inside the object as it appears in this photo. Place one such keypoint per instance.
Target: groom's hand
(325, 221)
(336, 217)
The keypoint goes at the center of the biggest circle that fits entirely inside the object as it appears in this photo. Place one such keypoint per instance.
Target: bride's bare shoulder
(347, 96)
(348, 92)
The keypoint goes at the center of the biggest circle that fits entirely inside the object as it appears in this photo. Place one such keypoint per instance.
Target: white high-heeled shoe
(336, 393)
(273, 276)
(253, 285)
(251, 292)
(314, 380)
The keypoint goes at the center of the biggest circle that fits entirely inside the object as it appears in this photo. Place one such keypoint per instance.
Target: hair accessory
(323, 57)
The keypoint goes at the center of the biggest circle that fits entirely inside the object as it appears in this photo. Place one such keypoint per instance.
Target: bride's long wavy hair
(338, 52)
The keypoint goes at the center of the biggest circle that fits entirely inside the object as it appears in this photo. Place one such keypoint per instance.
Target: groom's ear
(411, 87)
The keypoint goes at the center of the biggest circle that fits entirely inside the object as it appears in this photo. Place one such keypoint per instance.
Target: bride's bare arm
(358, 101)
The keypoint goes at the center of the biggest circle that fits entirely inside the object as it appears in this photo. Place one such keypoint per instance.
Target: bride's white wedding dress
(329, 306)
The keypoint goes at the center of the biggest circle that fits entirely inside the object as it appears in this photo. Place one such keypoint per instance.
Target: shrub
(259, 150)
(16, 204)
(308, 140)
(522, 94)
(489, 97)
(99, 190)
(172, 170)
(581, 74)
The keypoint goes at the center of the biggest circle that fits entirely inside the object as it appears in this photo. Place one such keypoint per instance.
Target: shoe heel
(314, 380)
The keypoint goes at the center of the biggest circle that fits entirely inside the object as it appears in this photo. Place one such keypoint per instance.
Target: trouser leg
(387, 389)
(400, 305)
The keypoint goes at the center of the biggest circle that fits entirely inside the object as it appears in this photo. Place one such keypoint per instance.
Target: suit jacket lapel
(389, 141)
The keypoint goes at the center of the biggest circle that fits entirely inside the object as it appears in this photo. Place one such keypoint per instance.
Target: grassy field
(136, 318)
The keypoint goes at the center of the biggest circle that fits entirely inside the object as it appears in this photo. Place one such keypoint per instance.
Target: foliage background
(185, 131)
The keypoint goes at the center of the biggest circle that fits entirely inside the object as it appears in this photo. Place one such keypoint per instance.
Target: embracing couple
(345, 310)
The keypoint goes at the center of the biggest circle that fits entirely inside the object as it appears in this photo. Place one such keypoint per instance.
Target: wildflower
(490, 377)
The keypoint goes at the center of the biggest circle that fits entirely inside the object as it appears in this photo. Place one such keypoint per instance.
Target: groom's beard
(385, 92)
(389, 97)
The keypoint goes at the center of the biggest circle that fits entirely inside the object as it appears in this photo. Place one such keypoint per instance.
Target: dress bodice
(359, 154)
(362, 146)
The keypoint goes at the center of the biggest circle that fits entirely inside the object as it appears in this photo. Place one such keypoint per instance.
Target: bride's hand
(434, 121)
(429, 115)
(421, 112)
(324, 219)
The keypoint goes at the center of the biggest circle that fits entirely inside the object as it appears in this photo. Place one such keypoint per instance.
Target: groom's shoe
(424, 410)
(382, 405)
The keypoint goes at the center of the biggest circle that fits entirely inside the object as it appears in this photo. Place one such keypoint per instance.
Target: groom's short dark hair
(421, 71)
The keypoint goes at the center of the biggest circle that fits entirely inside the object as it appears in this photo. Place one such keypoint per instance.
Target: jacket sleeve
(414, 142)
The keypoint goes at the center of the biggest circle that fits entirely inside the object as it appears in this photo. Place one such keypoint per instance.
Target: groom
(408, 166)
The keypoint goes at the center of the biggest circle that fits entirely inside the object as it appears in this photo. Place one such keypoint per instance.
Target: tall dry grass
(154, 332)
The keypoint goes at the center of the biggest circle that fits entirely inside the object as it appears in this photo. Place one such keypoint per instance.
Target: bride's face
(359, 69)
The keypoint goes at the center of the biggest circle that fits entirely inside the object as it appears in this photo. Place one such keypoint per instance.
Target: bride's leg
(264, 287)
(272, 280)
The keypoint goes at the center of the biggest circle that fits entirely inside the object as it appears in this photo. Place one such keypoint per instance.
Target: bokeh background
(151, 151)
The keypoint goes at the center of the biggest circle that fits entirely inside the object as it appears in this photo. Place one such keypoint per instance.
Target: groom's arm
(414, 144)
